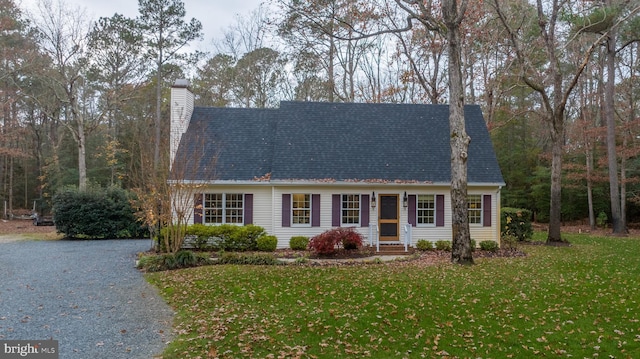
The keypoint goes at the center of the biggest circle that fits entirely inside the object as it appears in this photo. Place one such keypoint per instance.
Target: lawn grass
(581, 301)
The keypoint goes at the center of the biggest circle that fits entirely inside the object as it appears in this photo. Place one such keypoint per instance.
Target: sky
(215, 15)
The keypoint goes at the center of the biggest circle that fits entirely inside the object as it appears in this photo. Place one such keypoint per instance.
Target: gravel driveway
(85, 294)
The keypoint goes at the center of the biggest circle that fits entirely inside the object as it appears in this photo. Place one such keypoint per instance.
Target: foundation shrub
(443, 245)
(491, 246)
(267, 243)
(299, 243)
(424, 245)
(329, 241)
(227, 237)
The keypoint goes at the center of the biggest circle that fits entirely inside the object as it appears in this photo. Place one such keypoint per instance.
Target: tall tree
(118, 70)
(167, 34)
(18, 54)
(64, 38)
(213, 83)
(257, 77)
(606, 20)
(548, 76)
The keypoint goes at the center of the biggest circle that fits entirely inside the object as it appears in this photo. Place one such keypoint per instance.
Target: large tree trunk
(461, 246)
(82, 157)
(609, 114)
(592, 216)
(557, 139)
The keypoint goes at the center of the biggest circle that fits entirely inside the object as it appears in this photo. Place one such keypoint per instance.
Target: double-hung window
(301, 209)
(350, 209)
(219, 208)
(475, 208)
(426, 209)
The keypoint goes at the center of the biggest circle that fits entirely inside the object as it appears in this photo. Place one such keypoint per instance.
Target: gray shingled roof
(332, 141)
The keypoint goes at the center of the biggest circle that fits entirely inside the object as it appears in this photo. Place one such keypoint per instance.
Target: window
(475, 209)
(426, 209)
(301, 209)
(350, 209)
(222, 208)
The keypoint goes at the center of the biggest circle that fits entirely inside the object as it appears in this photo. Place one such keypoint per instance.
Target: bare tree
(547, 76)
(64, 39)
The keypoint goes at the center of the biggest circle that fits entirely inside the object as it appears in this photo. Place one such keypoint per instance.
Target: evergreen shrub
(443, 245)
(299, 243)
(516, 222)
(226, 237)
(424, 245)
(491, 246)
(96, 213)
(267, 243)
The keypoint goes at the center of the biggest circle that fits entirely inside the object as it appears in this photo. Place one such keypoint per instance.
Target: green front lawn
(581, 301)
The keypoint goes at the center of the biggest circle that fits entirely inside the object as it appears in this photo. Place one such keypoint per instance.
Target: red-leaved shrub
(328, 241)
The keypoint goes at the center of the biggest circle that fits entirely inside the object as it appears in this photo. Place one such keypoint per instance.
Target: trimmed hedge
(96, 213)
(516, 222)
(299, 243)
(227, 237)
(267, 243)
(424, 245)
(443, 245)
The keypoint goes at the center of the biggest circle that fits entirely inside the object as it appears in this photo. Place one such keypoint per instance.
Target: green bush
(244, 258)
(491, 246)
(424, 245)
(226, 237)
(602, 219)
(516, 222)
(267, 243)
(443, 245)
(299, 243)
(473, 245)
(96, 213)
(181, 259)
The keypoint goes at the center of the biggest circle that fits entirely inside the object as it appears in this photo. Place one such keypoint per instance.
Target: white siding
(267, 209)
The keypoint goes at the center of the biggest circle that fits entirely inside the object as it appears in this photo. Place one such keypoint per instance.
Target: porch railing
(408, 232)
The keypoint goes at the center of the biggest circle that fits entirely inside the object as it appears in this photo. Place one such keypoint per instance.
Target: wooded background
(85, 101)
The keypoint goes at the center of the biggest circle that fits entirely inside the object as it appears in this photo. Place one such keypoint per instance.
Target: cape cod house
(307, 167)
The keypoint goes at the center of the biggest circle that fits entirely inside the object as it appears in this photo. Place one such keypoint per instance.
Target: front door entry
(388, 217)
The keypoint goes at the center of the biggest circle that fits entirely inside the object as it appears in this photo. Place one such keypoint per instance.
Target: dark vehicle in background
(41, 213)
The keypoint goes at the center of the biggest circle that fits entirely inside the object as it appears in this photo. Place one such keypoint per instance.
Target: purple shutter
(335, 210)
(413, 215)
(248, 208)
(440, 210)
(286, 210)
(315, 210)
(197, 208)
(364, 210)
(486, 210)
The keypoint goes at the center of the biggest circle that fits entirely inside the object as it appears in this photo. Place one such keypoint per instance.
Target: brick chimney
(181, 110)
